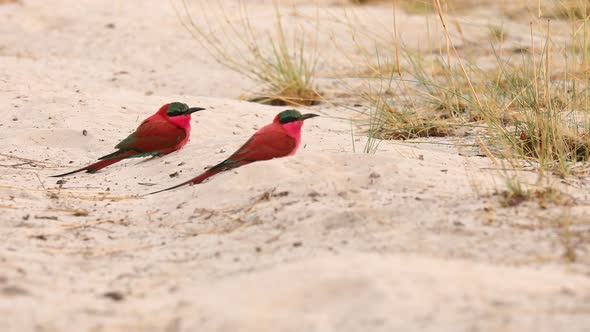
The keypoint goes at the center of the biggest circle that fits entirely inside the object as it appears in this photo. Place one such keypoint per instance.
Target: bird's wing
(268, 143)
(152, 135)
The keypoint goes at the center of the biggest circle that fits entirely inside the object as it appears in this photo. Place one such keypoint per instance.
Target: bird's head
(178, 109)
(292, 116)
(292, 121)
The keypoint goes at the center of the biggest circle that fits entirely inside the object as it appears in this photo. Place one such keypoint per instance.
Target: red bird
(166, 131)
(281, 138)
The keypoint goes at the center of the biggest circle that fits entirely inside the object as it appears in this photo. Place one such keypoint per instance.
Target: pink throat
(294, 130)
(182, 121)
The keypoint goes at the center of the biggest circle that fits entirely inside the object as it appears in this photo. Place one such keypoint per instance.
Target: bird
(279, 139)
(166, 131)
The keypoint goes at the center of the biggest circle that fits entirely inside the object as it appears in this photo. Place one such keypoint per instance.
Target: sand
(411, 238)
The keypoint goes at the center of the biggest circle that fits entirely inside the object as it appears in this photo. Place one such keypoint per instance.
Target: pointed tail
(196, 180)
(92, 168)
(103, 162)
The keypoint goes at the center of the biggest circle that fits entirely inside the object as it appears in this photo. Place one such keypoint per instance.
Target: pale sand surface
(408, 239)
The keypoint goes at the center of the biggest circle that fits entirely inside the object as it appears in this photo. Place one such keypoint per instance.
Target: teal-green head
(178, 109)
(292, 115)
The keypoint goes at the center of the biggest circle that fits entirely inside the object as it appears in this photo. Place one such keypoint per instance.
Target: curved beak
(193, 110)
(308, 115)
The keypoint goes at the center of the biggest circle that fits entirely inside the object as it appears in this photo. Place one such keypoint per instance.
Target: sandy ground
(408, 239)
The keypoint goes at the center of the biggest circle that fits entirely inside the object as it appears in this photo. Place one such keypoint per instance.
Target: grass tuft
(283, 66)
(403, 122)
(517, 194)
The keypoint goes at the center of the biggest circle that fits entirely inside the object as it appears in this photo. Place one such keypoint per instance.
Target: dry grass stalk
(284, 67)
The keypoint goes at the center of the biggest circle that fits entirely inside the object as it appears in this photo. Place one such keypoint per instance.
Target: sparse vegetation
(532, 105)
(516, 193)
(527, 106)
(283, 63)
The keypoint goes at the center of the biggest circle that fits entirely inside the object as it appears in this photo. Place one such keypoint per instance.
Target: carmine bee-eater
(166, 131)
(281, 138)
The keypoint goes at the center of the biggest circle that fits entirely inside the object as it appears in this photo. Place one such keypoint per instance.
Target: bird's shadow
(145, 160)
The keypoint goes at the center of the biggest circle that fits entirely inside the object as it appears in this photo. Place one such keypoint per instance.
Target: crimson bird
(279, 139)
(166, 131)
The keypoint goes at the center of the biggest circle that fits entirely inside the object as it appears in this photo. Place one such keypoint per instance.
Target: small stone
(41, 237)
(114, 295)
(374, 175)
(80, 213)
(313, 193)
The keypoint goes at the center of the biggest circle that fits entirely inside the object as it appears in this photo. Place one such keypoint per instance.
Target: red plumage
(159, 135)
(275, 140)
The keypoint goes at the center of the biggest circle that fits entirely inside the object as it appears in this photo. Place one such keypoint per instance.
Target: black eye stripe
(176, 109)
(289, 119)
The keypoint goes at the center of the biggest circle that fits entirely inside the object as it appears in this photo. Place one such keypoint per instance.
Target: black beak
(308, 115)
(193, 110)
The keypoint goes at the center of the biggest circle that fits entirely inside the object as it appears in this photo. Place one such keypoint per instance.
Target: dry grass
(403, 125)
(284, 64)
(543, 196)
(425, 7)
(569, 9)
(532, 105)
(529, 105)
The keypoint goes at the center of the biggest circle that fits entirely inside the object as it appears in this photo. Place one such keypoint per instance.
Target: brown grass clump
(425, 7)
(281, 63)
(406, 123)
(544, 197)
(421, 7)
(288, 95)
